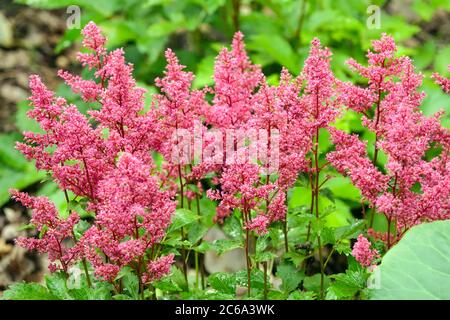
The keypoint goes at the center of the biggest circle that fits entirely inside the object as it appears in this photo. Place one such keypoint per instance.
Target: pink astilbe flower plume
(235, 80)
(179, 110)
(350, 158)
(55, 231)
(132, 215)
(104, 157)
(442, 81)
(405, 135)
(363, 253)
(322, 109)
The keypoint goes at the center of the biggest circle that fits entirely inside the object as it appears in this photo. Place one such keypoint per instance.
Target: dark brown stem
(377, 118)
(311, 181)
(286, 244)
(389, 220)
(139, 266)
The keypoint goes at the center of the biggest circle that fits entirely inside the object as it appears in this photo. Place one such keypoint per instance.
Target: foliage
(290, 225)
(416, 268)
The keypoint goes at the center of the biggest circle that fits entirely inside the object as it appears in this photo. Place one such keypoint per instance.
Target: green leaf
(347, 285)
(43, 231)
(256, 278)
(28, 291)
(418, 267)
(349, 232)
(223, 282)
(277, 49)
(290, 276)
(296, 257)
(441, 62)
(265, 256)
(313, 283)
(196, 232)
(302, 295)
(167, 284)
(27, 226)
(233, 228)
(130, 282)
(100, 291)
(327, 193)
(15, 171)
(56, 284)
(223, 245)
(183, 217)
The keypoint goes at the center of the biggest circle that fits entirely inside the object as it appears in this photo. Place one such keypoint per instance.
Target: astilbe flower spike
(104, 157)
(235, 79)
(405, 135)
(56, 231)
(363, 253)
(132, 215)
(443, 82)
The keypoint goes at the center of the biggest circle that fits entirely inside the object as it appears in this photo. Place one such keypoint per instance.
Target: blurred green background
(34, 39)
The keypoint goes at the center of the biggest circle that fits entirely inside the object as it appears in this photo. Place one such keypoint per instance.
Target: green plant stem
(311, 181)
(196, 269)
(184, 258)
(247, 253)
(265, 279)
(286, 243)
(316, 203)
(248, 262)
(389, 221)
(183, 250)
(202, 270)
(83, 261)
(198, 258)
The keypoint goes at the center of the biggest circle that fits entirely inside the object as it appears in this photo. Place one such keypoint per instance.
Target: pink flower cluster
(296, 109)
(105, 157)
(54, 230)
(413, 187)
(362, 252)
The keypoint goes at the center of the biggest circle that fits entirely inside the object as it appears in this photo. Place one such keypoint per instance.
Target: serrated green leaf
(223, 282)
(223, 245)
(256, 278)
(290, 275)
(182, 217)
(28, 291)
(56, 285)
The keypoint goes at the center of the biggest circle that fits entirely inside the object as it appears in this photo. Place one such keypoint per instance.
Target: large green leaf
(28, 291)
(182, 218)
(290, 276)
(223, 282)
(418, 267)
